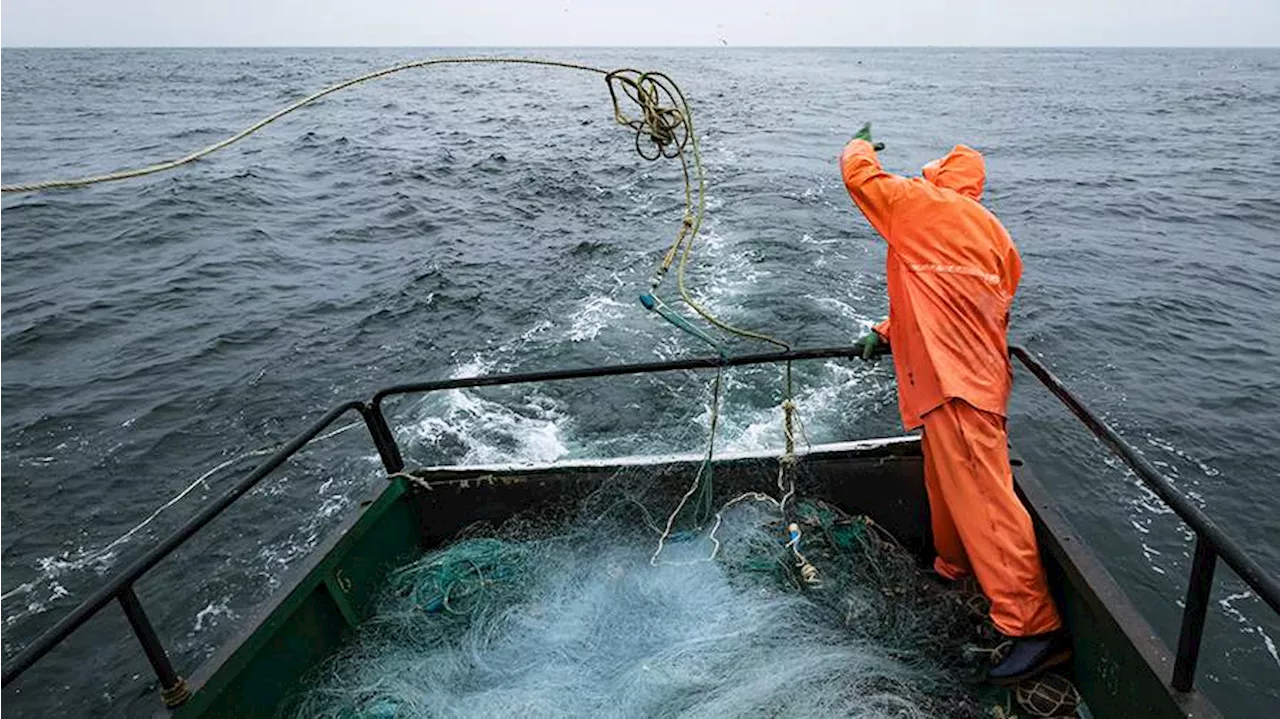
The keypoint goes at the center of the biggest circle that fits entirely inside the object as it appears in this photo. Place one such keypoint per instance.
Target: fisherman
(952, 271)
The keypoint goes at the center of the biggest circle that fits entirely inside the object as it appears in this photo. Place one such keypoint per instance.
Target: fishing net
(672, 586)
(1049, 695)
(571, 613)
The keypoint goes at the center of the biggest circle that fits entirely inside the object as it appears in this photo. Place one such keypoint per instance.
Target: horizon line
(643, 47)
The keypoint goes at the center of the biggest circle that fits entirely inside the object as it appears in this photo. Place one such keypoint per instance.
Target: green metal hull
(308, 619)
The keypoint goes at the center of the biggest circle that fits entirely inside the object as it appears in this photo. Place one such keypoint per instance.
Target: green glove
(865, 134)
(871, 345)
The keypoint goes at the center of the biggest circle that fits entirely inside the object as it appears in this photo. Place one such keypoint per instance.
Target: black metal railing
(1210, 541)
(120, 586)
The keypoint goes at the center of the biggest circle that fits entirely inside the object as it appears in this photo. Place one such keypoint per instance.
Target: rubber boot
(1030, 656)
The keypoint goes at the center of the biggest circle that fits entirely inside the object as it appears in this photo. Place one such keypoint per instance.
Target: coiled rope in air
(663, 129)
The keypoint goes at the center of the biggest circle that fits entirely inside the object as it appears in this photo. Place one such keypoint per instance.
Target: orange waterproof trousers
(979, 525)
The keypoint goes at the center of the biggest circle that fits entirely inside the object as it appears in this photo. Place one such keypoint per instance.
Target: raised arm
(872, 189)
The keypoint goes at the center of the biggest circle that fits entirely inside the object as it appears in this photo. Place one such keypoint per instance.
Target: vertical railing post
(383, 439)
(174, 689)
(1193, 615)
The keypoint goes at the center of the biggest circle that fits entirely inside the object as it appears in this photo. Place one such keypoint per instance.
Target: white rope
(413, 479)
(671, 519)
(199, 481)
(757, 496)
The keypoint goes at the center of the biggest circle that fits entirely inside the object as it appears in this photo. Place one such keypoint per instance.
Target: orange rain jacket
(952, 271)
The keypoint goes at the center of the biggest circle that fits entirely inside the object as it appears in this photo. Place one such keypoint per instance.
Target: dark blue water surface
(479, 219)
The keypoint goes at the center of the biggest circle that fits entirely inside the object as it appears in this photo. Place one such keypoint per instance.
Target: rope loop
(663, 118)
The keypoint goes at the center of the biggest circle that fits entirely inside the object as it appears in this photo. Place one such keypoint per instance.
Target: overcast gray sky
(640, 22)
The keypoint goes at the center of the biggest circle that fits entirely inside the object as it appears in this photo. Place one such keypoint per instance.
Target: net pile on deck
(542, 617)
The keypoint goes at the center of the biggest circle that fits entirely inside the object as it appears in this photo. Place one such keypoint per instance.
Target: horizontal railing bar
(1267, 587)
(125, 578)
(615, 370)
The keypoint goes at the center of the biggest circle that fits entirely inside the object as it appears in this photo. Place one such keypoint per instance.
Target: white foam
(718, 272)
(1146, 506)
(808, 239)
(530, 334)
(24, 588)
(1271, 646)
(477, 366)
(1247, 626)
(843, 391)
(101, 559)
(845, 310)
(594, 314)
(211, 614)
(493, 432)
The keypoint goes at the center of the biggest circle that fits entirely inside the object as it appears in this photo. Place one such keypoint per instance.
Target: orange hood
(962, 170)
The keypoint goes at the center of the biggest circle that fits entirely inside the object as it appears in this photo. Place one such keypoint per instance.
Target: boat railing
(1211, 541)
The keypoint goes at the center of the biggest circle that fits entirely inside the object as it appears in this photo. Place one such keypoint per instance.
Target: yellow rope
(704, 468)
(674, 128)
(172, 164)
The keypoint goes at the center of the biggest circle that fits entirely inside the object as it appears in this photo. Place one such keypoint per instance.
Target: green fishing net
(575, 616)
